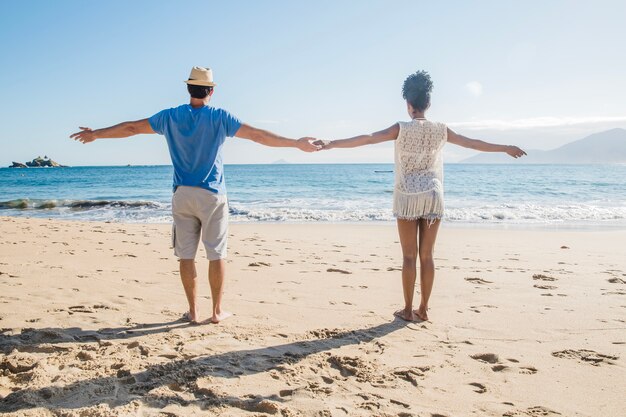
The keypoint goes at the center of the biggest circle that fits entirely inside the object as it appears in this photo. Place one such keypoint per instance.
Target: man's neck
(198, 102)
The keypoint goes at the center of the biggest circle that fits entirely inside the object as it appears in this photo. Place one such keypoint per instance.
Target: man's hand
(308, 144)
(85, 136)
(515, 152)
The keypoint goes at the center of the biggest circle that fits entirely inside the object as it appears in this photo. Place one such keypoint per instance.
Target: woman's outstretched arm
(483, 146)
(391, 133)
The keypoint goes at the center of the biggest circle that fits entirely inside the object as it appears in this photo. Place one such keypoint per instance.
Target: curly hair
(416, 90)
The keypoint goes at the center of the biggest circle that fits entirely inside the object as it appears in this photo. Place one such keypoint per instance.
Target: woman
(418, 192)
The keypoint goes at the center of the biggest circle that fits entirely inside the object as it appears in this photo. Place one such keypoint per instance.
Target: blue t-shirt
(195, 138)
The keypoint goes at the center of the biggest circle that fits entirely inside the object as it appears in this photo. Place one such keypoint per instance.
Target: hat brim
(200, 83)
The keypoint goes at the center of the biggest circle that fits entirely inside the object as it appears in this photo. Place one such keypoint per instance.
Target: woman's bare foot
(407, 315)
(422, 313)
(217, 317)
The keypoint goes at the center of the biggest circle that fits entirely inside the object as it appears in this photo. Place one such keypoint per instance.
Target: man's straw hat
(201, 76)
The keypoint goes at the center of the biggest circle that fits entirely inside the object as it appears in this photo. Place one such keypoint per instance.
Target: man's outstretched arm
(267, 138)
(122, 130)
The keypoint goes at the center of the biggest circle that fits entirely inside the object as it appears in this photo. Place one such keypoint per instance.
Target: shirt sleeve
(158, 122)
(230, 123)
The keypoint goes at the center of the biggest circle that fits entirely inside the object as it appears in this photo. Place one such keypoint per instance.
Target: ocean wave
(535, 213)
(316, 210)
(504, 213)
(308, 215)
(41, 204)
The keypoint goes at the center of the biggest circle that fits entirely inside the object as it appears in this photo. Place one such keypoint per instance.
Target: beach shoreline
(524, 323)
(580, 226)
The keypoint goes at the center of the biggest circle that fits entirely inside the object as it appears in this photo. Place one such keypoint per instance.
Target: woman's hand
(514, 151)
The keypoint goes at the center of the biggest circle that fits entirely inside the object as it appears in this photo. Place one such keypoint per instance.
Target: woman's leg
(427, 237)
(407, 230)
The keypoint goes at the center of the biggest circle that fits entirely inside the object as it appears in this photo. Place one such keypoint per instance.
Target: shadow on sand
(182, 375)
(30, 339)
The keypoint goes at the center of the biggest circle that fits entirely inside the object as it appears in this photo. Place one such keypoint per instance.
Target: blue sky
(536, 73)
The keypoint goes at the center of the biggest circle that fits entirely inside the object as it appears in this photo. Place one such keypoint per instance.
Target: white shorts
(199, 213)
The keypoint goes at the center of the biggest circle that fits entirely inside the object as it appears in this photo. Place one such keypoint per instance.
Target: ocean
(510, 195)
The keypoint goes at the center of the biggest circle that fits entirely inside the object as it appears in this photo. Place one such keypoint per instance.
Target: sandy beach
(523, 323)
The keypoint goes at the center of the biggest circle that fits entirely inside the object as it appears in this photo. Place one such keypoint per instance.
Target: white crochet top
(418, 191)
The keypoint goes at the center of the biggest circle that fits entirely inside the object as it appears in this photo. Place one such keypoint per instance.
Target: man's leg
(189, 277)
(186, 236)
(215, 239)
(217, 272)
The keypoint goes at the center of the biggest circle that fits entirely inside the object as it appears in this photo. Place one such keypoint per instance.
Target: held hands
(323, 144)
(318, 144)
(514, 151)
(308, 144)
(86, 135)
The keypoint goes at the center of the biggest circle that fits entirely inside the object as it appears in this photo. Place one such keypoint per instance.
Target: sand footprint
(543, 277)
(341, 271)
(355, 367)
(480, 388)
(478, 280)
(537, 411)
(18, 362)
(325, 334)
(79, 309)
(585, 355)
(400, 403)
(528, 370)
(614, 293)
(545, 287)
(491, 358)
(257, 264)
(475, 309)
(411, 374)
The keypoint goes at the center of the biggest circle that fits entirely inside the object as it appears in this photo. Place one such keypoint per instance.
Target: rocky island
(38, 162)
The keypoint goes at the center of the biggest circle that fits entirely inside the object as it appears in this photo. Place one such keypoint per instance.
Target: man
(195, 136)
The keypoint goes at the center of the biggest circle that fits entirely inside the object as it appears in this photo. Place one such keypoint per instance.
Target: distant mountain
(281, 162)
(607, 147)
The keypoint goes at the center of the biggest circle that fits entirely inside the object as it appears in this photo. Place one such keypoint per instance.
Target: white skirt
(427, 205)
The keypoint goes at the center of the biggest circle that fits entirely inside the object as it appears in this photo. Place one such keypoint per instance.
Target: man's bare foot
(422, 313)
(220, 317)
(190, 318)
(407, 315)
